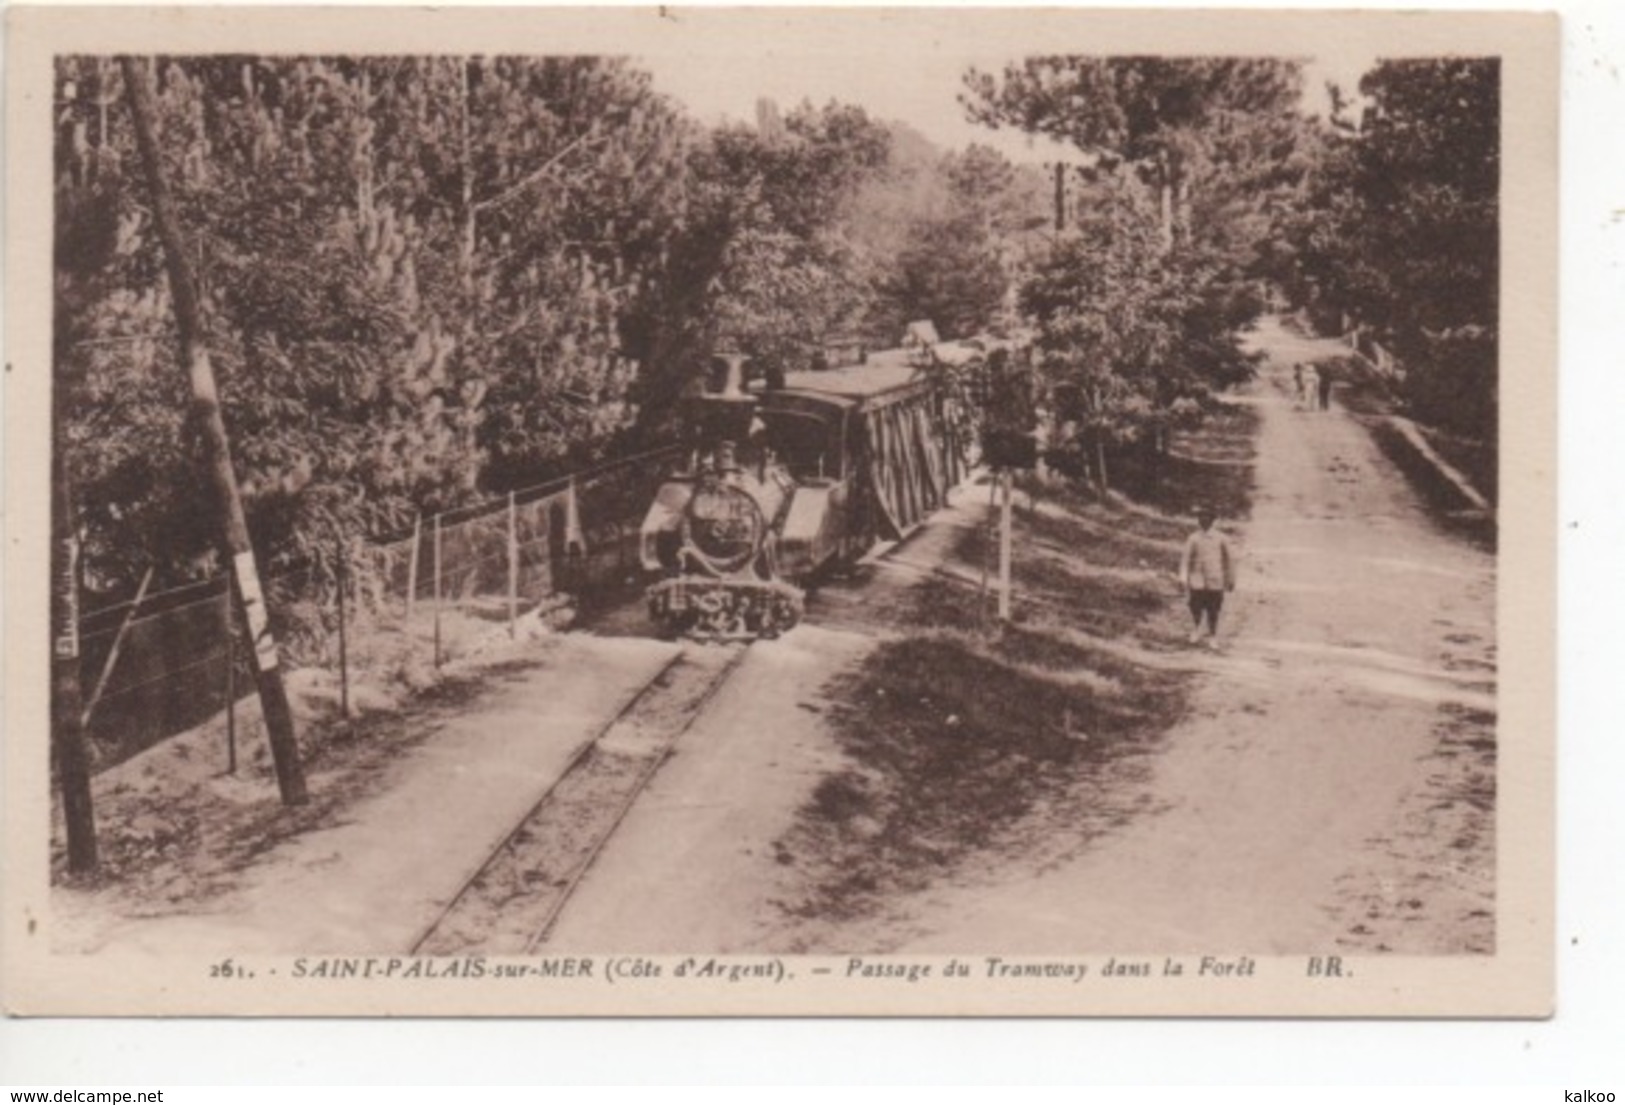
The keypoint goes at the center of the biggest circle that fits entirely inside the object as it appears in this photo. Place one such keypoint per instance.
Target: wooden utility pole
(412, 568)
(69, 753)
(211, 430)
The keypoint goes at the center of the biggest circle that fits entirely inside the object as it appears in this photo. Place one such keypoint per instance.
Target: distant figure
(1311, 386)
(1206, 570)
(1297, 382)
(1326, 390)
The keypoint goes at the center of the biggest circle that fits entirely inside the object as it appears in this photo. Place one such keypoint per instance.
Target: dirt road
(1332, 787)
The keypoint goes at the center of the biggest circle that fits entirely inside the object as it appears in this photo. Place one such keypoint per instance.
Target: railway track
(509, 904)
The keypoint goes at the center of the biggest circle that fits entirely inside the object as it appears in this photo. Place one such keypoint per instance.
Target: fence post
(623, 549)
(437, 591)
(344, 650)
(412, 567)
(231, 685)
(989, 539)
(577, 561)
(513, 567)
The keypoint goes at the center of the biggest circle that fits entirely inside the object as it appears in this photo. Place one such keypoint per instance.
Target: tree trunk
(1182, 208)
(69, 754)
(1165, 201)
(465, 168)
(363, 156)
(211, 429)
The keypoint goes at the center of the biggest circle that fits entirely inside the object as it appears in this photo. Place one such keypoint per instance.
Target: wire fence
(378, 617)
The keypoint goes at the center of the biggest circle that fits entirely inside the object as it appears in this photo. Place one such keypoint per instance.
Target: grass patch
(1476, 460)
(1126, 542)
(1201, 466)
(963, 737)
(1445, 501)
(162, 840)
(955, 738)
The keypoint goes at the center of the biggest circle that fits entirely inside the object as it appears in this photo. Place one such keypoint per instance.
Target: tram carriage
(789, 482)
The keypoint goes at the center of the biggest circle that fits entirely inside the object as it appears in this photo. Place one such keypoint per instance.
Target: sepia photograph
(767, 511)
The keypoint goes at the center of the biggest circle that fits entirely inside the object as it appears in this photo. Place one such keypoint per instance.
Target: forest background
(429, 280)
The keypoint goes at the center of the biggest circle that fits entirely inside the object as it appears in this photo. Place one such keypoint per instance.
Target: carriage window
(809, 446)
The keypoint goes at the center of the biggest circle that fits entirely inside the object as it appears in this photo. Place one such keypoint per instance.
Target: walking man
(1311, 385)
(1297, 382)
(1325, 389)
(1206, 570)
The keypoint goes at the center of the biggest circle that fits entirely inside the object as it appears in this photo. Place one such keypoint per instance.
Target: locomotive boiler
(786, 483)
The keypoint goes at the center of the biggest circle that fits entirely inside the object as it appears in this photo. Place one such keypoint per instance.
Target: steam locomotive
(790, 478)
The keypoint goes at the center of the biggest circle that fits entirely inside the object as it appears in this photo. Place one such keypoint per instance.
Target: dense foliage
(1401, 231)
(426, 279)
(412, 272)
(1184, 169)
(429, 279)
(951, 235)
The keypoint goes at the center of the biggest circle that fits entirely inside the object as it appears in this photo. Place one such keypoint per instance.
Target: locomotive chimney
(733, 376)
(724, 412)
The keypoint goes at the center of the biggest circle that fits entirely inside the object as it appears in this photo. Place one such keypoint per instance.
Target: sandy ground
(373, 876)
(1332, 788)
(694, 867)
(510, 907)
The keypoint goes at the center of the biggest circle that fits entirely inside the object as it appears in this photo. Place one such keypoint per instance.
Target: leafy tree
(944, 236)
(762, 259)
(1401, 230)
(1118, 328)
(312, 348)
(1187, 166)
(414, 270)
(581, 194)
(120, 422)
(949, 271)
(1178, 123)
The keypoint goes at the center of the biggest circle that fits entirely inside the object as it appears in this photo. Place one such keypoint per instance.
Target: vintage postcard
(779, 511)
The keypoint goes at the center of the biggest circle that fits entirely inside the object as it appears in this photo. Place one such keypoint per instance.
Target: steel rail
(575, 760)
(645, 777)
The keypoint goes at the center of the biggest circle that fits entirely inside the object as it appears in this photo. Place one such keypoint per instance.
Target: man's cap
(1202, 510)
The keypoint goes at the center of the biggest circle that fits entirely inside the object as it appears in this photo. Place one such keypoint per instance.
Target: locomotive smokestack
(733, 376)
(724, 412)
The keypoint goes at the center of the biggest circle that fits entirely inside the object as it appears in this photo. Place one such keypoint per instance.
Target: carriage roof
(857, 382)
